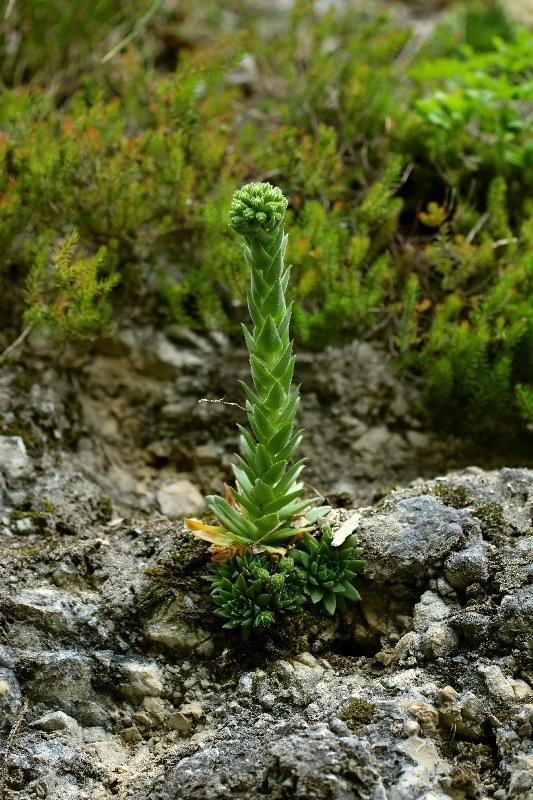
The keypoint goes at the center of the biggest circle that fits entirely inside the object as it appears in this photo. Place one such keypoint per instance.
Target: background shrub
(406, 164)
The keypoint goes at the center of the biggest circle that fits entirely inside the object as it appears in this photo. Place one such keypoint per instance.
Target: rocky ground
(116, 679)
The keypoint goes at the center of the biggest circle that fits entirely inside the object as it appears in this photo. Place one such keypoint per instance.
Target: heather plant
(79, 33)
(472, 117)
(66, 294)
(476, 353)
(388, 152)
(127, 173)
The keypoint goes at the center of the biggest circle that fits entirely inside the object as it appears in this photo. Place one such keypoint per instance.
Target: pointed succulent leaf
(329, 602)
(316, 594)
(263, 459)
(276, 397)
(234, 521)
(250, 341)
(274, 474)
(247, 504)
(350, 591)
(268, 340)
(264, 429)
(261, 375)
(267, 522)
(280, 439)
(251, 395)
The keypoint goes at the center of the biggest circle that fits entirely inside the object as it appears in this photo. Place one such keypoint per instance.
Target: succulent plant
(328, 571)
(250, 589)
(267, 497)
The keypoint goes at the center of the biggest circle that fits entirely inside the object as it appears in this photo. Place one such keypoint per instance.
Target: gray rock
(62, 680)
(317, 764)
(474, 627)
(498, 686)
(439, 641)
(467, 567)
(8, 657)
(139, 679)
(430, 611)
(179, 722)
(403, 543)
(10, 698)
(57, 721)
(463, 713)
(14, 461)
(152, 353)
(513, 620)
(169, 626)
(521, 782)
(180, 499)
(45, 607)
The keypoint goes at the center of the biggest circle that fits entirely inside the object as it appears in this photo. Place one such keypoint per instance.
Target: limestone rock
(467, 567)
(404, 542)
(180, 499)
(10, 698)
(14, 461)
(139, 679)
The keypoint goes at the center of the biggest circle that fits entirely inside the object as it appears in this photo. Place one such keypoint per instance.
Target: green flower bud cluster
(250, 590)
(257, 209)
(328, 571)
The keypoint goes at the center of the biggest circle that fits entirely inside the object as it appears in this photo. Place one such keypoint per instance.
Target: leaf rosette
(329, 571)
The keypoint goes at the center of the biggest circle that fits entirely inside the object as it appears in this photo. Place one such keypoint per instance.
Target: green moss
(106, 509)
(39, 521)
(450, 495)
(358, 713)
(291, 636)
(48, 506)
(490, 515)
(470, 758)
(31, 440)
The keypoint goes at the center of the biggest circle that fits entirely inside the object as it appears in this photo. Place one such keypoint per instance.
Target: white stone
(179, 722)
(14, 459)
(180, 499)
(193, 709)
(431, 610)
(57, 721)
(497, 684)
(140, 680)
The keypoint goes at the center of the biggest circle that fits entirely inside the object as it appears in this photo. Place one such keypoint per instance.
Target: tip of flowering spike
(257, 208)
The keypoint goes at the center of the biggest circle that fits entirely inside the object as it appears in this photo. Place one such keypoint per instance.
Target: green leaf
(263, 492)
(261, 425)
(282, 502)
(274, 474)
(316, 594)
(329, 602)
(262, 377)
(234, 521)
(267, 340)
(263, 459)
(350, 591)
(280, 439)
(246, 503)
(276, 398)
(250, 341)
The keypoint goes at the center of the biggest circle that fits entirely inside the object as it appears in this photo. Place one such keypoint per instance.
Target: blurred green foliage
(407, 164)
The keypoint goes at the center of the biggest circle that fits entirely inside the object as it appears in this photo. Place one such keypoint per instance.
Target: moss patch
(358, 713)
(450, 495)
